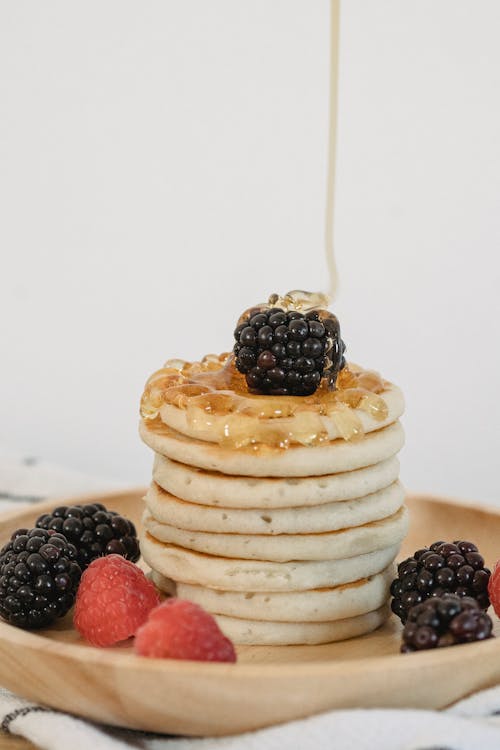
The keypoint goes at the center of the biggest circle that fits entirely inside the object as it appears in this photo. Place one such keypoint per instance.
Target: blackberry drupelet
(445, 621)
(443, 568)
(288, 353)
(94, 530)
(39, 577)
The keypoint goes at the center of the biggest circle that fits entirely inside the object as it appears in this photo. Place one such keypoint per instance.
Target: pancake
(255, 633)
(212, 488)
(313, 605)
(332, 545)
(212, 428)
(296, 461)
(166, 508)
(186, 566)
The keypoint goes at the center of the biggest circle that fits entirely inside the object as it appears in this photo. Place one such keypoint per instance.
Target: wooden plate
(267, 685)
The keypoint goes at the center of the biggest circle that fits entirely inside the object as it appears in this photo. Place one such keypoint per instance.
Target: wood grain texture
(9, 742)
(268, 685)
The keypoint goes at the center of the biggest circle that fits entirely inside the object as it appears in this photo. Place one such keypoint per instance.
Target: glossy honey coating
(214, 395)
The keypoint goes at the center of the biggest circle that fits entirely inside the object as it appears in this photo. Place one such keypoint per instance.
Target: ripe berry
(445, 621)
(39, 576)
(288, 353)
(179, 629)
(113, 601)
(94, 530)
(494, 588)
(443, 568)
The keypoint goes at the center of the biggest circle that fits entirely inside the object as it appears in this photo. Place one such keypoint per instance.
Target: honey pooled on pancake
(285, 381)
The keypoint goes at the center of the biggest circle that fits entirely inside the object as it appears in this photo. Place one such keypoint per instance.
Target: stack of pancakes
(288, 539)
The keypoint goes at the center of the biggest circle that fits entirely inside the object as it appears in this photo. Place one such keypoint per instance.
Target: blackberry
(445, 621)
(288, 353)
(39, 577)
(441, 568)
(94, 530)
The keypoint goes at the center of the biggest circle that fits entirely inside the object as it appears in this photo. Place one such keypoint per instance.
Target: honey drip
(332, 148)
(298, 299)
(214, 397)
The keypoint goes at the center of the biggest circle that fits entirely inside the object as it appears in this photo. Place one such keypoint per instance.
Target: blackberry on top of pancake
(288, 353)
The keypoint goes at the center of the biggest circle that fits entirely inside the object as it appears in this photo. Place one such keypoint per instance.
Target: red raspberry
(113, 600)
(179, 629)
(494, 588)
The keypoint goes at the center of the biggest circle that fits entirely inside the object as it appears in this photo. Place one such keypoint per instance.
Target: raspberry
(179, 629)
(113, 601)
(494, 588)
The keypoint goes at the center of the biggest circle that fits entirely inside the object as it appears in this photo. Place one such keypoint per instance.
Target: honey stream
(214, 395)
(332, 148)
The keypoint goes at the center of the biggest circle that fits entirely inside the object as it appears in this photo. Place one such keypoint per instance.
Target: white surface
(167, 159)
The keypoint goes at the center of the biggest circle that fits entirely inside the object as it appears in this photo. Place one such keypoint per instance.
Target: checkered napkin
(472, 724)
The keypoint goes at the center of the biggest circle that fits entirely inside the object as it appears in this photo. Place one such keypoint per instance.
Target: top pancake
(212, 428)
(210, 401)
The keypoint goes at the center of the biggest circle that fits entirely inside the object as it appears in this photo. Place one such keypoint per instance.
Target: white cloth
(29, 480)
(471, 724)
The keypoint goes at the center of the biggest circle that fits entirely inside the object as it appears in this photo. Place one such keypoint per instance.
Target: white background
(162, 167)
